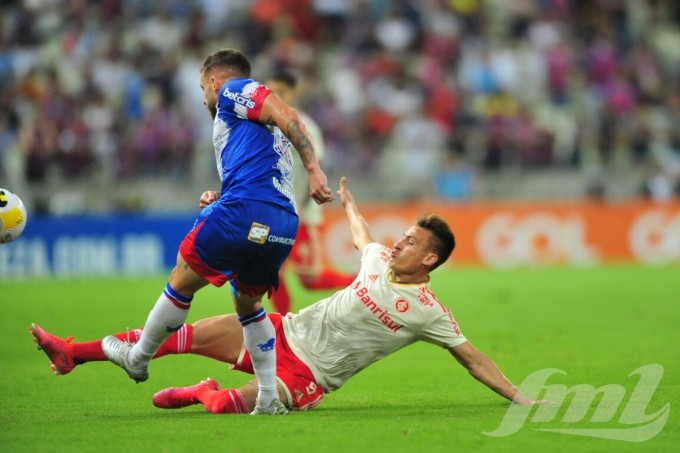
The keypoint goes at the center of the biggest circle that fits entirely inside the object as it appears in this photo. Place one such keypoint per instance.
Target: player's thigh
(219, 338)
(184, 279)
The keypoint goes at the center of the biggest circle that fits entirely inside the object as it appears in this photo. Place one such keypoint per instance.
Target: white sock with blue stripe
(167, 316)
(259, 337)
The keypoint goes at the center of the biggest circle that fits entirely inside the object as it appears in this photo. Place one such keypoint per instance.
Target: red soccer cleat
(59, 351)
(174, 397)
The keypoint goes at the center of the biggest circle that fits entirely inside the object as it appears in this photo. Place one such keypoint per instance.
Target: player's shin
(166, 317)
(259, 337)
(223, 401)
(177, 343)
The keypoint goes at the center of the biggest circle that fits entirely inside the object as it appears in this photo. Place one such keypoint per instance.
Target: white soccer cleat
(275, 408)
(117, 351)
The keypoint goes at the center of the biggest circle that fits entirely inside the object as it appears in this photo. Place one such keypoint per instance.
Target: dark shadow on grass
(364, 408)
(160, 415)
(411, 408)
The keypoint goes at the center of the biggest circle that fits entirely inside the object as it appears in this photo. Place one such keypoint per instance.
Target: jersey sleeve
(443, 331)
(373, 250)
(243, 98)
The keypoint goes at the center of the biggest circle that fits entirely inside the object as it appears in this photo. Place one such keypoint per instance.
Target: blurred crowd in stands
(427, 92)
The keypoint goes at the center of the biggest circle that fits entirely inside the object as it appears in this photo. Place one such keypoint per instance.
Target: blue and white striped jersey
(253, 159)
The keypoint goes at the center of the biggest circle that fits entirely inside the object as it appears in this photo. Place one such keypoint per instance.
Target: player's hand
(207, 198)
(345, 195)
(318, 188)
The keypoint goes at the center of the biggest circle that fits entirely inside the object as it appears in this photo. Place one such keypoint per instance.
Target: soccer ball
(12, 216)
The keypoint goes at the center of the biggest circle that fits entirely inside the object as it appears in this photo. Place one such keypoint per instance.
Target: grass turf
(596, 324)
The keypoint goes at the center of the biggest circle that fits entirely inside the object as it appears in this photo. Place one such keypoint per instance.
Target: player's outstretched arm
(361, 236)
(484, 370)
(275, 112)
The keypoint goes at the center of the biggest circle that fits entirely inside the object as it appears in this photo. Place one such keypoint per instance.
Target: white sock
(259, 337)
(167, 316)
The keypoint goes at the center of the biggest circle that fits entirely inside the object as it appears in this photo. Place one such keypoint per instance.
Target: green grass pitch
(596, 324)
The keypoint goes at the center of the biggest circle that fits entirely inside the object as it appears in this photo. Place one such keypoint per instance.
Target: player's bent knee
(185, 280)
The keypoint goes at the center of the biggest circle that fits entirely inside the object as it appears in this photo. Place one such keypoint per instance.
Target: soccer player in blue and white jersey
(244, 233)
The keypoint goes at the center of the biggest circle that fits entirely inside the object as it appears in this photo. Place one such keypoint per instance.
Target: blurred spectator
(111, 85)
(455, 180)
(662, 185)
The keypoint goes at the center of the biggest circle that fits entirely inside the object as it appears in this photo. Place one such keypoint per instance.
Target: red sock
(92, 350)
(178, 343)
(329, 279)
(280, 298)
(222, 401)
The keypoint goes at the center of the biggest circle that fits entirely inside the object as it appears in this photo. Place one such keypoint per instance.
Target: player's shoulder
(240, 82)
(240, 91)
(377, 250)
(427, 299)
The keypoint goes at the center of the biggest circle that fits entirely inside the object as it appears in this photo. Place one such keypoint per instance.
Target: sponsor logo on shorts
(258, 233)
(298, 395)
(402, 305)
(280, 240)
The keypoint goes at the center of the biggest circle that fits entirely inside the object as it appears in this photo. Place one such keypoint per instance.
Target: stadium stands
(453, 99)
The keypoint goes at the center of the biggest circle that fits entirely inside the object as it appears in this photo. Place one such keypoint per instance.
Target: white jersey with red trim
(339, 336)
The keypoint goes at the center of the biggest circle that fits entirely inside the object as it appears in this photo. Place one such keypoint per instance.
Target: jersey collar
(392, 279)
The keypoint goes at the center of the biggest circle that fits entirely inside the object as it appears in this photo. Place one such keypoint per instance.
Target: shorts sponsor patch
(282, 240)
(258, 233)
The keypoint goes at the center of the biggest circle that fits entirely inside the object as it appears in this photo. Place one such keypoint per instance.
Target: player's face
(209, 94)
(412, 252)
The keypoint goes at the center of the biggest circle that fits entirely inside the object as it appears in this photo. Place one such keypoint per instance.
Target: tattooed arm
(275, 112)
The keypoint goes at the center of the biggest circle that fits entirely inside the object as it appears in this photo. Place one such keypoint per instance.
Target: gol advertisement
(519, 234)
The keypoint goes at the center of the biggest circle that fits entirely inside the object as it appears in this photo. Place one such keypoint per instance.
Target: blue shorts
(245, 241)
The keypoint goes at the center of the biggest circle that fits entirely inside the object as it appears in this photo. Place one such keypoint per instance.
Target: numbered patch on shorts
(258, 233)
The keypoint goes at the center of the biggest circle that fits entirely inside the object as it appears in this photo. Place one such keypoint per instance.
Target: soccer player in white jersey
(388, 306)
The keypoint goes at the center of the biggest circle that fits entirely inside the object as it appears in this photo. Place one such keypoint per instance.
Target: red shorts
(305, 252)
(296, 377)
